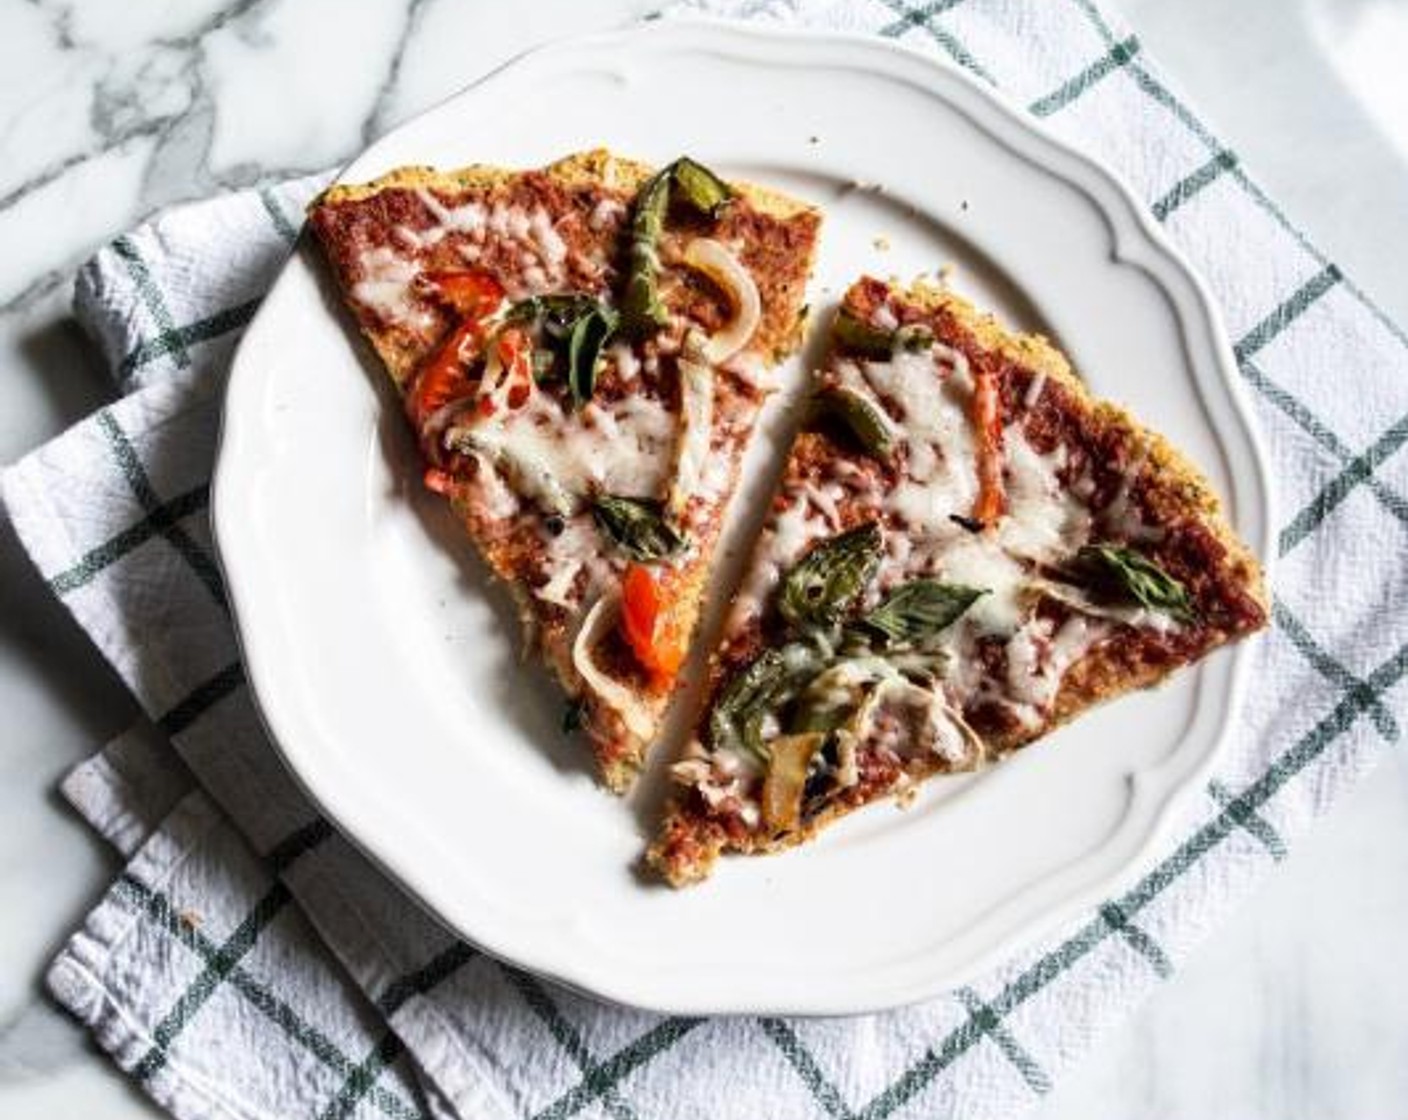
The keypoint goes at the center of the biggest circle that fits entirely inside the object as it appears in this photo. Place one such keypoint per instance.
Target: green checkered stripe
(1329, 688)
(213, 960)
(153, 330)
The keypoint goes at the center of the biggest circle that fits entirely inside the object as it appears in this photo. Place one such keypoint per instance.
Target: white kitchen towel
(200, 970)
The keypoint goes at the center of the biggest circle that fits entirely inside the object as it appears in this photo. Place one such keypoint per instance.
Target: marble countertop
(1295, 1008)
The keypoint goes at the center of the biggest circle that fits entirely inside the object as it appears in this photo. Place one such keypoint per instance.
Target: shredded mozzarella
(385, 288)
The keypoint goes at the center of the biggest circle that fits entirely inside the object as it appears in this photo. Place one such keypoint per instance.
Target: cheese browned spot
(1034, 649)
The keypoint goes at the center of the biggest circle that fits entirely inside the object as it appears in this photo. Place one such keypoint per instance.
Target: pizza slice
(582, 351)
(966, 550)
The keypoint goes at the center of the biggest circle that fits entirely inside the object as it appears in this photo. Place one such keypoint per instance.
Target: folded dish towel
(249, 963)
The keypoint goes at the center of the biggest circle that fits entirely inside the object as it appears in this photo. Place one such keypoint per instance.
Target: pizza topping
(589, 335)
(831, 577)
(722, 267)
(736, 719)
(1037, 662)
(573, 328)
(469, 292)
(817, 680)
(786, 781)
(698, 188)
(651, 626)
(443, 386)
(598, 622)
(1121, 573)
(638, 527)
(696, 426)
(854, 335)
(918, 609)
(558, 459)
(857, 409)
(469, 217)
(386, 289)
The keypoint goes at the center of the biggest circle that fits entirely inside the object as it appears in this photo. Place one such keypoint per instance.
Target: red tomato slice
(651, 627)
(443, 378)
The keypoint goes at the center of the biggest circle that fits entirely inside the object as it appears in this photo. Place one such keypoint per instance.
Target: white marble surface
(1296, 1008)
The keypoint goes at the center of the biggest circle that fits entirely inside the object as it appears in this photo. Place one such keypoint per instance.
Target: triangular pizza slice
(582, 351)
(966, 550)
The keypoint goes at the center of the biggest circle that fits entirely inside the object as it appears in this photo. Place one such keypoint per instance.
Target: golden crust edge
(597, 166)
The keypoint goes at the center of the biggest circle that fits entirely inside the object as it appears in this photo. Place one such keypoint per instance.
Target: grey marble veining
(109, 111)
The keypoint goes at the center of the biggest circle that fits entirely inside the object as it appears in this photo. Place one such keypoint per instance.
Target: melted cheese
(1044, 519)
(555, 458)
(577, 548)
(695, 433)
(606, 212)
(977, 560)
(385, 288)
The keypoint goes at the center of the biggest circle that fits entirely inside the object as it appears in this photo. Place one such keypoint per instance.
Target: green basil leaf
(862, 416)
(642, 311)
(737, 716)
(571, 329)
(919, 609)
(589, 334)
(831, 577)
(1126, 574)
(556, 311)
(638, 526)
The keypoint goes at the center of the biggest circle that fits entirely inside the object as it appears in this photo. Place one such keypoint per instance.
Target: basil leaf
(642, 311)
(737, 716)
(1126, 574)
(862, 416)
(854, 335)
(589, 335)
(919, 609)
(831, 577)
(638, 526)
(572, 329)
(555, 312)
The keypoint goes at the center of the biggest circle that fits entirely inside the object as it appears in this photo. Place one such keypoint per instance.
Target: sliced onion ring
(638, 719)
(711, 258)
(696, 426)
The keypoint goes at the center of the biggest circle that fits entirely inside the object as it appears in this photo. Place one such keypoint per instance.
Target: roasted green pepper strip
(638, 526)
(642, 312)
(855, 336)
(862, 417)
(699, 187)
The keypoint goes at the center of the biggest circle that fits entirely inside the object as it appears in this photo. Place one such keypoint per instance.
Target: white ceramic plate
(386, 669)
